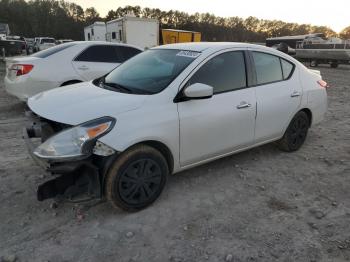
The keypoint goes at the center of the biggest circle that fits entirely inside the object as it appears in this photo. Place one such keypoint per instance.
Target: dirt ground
(259, 205)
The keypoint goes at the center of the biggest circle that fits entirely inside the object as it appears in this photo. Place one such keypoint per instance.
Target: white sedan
(62, 65)
(169, 109)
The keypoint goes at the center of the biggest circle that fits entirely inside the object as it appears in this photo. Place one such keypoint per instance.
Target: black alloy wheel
(137, 178)
(140, 181)
(296, 133)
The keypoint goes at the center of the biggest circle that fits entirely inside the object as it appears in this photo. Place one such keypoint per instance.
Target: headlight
(75, 142)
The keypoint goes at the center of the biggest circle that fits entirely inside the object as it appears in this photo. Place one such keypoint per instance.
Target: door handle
(295, 94)
(243, 105)
(83, 68)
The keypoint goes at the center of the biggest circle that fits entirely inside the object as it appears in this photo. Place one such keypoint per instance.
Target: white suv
(169, 109)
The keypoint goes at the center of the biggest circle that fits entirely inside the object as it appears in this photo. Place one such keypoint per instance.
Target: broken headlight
(75, 142)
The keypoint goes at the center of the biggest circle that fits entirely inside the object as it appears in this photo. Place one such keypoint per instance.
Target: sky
(334, 13)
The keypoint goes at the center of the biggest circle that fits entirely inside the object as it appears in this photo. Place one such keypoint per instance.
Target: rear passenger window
(53, 50)
(224, 72)
(126, 52)
(99, 53)
(267, 67)
(287, 68)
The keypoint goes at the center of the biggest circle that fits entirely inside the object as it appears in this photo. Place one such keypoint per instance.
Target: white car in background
(168, 109)
(62, 65)
(42, 43)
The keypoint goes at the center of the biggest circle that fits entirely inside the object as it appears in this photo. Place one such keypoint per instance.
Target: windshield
(47, 40)
(149, 72)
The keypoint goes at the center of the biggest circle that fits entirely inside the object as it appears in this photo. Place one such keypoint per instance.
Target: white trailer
(4, 29)
(142, 32)
(95, 32)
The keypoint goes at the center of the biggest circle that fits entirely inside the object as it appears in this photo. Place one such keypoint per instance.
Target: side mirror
(198, 91)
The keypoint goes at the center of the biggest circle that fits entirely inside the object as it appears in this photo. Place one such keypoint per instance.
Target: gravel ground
(259, 205)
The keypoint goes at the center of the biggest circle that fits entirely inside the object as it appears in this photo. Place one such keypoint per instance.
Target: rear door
(278, 94)
(96, 61)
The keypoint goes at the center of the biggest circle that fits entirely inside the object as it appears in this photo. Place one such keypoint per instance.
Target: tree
(252, 24)
(61, 19)
(76, 12)
(111, 15)
(345, 33)
(91, 15)
(328, 32)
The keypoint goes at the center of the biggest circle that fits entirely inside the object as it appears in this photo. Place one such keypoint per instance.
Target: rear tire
(137, 178)
(296, 133)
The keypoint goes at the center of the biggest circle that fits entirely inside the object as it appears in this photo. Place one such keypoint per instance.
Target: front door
(223, 123)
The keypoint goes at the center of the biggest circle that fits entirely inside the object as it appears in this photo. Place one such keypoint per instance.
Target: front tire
(137, 178)
(296, 133)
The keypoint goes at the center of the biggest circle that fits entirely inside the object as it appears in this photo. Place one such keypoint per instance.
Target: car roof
(104, 43)
(213, 47)
(201, 46)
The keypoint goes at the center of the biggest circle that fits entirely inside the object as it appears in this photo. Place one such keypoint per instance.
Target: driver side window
(224, 72)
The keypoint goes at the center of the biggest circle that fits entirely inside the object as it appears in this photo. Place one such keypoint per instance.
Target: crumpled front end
(77, 176)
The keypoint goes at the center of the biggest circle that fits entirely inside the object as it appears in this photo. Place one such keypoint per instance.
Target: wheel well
(308, 113)
(164, 150)
(70, 82)
(106, 163)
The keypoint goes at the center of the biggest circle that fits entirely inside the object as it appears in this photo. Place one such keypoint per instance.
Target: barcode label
(191, 54)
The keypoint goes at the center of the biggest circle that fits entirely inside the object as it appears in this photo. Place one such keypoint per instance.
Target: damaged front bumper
(74, 180)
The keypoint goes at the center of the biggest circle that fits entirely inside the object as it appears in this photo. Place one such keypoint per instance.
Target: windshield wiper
(117, 86)
(114, 86)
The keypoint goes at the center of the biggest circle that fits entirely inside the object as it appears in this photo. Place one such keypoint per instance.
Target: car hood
(82, 102)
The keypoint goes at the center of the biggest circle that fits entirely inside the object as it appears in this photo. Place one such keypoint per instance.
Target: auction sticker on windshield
(188, 54)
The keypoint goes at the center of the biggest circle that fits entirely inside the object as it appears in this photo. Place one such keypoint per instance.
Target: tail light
(22, 69)
(323, 83)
